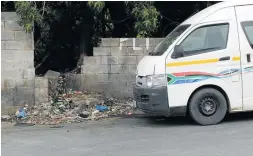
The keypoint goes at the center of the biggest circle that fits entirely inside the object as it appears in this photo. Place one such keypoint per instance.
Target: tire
(208, 107)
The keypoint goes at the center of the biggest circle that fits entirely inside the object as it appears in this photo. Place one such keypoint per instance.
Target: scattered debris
(24, 124)
(67, 106)
(56, 127)
(20, 113)
(84, 114)
(101, 108)
(5, 117)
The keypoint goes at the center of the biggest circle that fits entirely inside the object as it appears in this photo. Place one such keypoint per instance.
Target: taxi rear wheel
(208, 106)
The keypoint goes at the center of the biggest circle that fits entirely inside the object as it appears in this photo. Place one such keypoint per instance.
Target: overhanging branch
(117, 22)
(169, 19)
(43, 60)
(44, 3)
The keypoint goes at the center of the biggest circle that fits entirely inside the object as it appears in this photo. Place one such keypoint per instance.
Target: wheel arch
(210, 86)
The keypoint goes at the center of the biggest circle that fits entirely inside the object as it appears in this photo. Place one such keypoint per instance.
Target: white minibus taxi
(203, 68)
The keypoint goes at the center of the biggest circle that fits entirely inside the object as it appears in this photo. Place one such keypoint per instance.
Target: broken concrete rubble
(5, 117)
(53, 78)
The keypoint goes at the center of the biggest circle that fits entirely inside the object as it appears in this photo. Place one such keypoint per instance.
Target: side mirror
(178, 52)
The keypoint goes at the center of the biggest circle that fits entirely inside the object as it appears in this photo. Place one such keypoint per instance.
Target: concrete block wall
(112, 68)
(41, 90)
(17, 60)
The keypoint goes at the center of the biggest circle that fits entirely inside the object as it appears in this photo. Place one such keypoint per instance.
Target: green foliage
(144, 13)
(29, 14)
(96, 5)
(93, 16)
(64, 28)
(146, 18)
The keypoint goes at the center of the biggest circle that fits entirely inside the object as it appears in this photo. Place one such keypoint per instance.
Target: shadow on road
(186, 121)
(239, 117)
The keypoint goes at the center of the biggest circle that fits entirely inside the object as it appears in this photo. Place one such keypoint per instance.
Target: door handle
(248, 58)
(224, 58)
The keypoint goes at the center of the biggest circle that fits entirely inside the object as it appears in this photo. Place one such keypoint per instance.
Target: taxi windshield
(168, 40)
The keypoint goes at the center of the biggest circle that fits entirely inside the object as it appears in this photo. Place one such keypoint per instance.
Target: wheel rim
(208, 106)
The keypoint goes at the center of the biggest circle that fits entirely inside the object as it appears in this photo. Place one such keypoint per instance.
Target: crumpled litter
(101, 108)
(68, 106)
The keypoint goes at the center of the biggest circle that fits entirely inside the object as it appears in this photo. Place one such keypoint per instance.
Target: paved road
(133, 136)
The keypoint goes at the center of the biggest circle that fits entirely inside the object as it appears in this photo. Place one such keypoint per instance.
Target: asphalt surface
(133, 136)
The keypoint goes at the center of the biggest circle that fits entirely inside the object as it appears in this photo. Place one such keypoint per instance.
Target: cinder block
(24, 96)
(41, 94)
(2, 17)
(92, 82)
(119, 87)
(126, 91)
(132, 69)
(124, 51)
(139, 58)
(115, 42)
(29, 63)
(26, 64)
(91, 60)
(52, 74)
(101, 51)
(7, 97)
(28, 45)
(112, 78)
(9, 64)
(19, 45)
(22, 35)
(103, 78)
(117, 51)
(121, 78)
(25, 83)
(24, 55)
(138, 52)
(131, 84)
(105, 42)
(99, 88)
(3, 45)
(140, 42)
(41, 82)
(91, 78)
(9, 16)
(127, 59)
(11, 73)
(112, 60)
(2, 26)
(115, 69)
(126, 42)
(8, 83)
(7, 35)
(104, 60)
(29, 73)
(91, 69)
(17, 64)
(12, 25)
(7, 54)
(109, 42)
(14, 45)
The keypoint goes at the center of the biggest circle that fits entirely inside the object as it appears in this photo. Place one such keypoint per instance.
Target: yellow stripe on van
(236, 58)
(175, 64)
(191, 62)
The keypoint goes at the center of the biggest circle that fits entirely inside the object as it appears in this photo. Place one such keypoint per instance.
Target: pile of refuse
(72, 108)
(67, 106)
